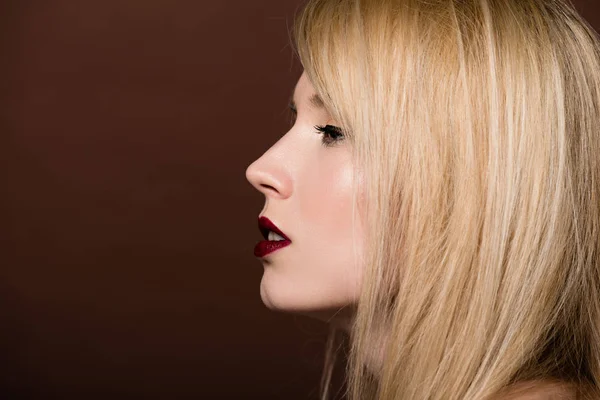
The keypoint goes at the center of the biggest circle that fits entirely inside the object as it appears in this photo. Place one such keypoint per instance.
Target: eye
(331, 134)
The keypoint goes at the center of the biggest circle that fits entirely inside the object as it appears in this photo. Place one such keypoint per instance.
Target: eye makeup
(331, 134)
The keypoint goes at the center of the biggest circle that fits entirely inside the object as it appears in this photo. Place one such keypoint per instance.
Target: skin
(308, 195)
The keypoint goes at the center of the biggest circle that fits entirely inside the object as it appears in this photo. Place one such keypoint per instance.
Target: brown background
(126, 223)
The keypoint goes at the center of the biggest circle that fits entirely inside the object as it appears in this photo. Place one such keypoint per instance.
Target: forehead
(305, 92)
(303, 87)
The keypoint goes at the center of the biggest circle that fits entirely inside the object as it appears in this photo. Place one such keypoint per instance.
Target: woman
(438, 196)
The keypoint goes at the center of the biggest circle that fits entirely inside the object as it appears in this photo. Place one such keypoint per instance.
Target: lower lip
(265, 247)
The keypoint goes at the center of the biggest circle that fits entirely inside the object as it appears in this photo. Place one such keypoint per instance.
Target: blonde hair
(475, 125)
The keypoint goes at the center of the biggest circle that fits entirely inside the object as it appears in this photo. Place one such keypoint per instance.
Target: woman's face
(306, 178)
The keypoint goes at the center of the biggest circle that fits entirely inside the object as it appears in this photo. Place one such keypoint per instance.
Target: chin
(277, 298)
(282, 299)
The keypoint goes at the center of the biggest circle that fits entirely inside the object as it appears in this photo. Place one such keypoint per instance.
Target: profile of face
(306, 178)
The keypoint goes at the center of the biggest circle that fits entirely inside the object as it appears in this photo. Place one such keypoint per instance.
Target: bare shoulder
(540, 390)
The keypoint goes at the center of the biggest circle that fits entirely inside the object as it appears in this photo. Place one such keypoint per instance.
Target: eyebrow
(315, 100)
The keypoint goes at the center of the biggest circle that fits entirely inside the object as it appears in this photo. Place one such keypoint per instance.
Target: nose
(269, 175)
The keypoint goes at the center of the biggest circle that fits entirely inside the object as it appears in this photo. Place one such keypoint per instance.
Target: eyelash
(331, 134)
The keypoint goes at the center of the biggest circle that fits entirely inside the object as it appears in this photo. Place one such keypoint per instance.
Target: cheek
(326, 212)
(327, 200)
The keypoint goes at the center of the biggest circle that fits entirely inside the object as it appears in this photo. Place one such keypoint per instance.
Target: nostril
(271, 182)
(268, 187)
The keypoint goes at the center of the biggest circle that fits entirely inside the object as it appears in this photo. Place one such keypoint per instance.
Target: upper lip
(265, 225)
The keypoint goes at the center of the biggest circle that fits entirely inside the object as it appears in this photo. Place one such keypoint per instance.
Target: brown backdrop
(126, 222)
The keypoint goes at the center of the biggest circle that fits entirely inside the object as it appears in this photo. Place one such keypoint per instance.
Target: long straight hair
(475, 125)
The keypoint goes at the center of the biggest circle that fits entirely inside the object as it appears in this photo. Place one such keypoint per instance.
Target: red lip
(265, 247)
